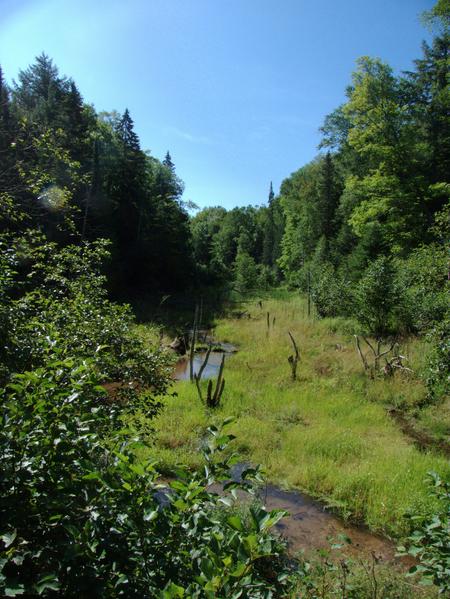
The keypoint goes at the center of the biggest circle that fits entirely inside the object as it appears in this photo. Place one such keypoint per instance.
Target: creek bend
(309, 526)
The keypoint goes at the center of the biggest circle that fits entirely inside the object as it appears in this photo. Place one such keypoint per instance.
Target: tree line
(77, 175)
(378, 189)
(372, 206)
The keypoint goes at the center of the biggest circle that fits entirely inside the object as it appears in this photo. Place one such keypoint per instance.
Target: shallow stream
(309, 526)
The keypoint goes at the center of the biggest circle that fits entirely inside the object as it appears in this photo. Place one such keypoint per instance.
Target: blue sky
(235, 89)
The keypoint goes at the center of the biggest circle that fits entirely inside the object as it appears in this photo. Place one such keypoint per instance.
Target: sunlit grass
(328, 433)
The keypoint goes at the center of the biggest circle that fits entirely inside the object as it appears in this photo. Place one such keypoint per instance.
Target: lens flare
(53, 198)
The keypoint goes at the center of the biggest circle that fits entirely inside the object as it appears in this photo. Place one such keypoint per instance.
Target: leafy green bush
(430, 541)
(330, 293)
(59, 294)
(437, 373)
(81, 516)
(377, 298)
(423, 278)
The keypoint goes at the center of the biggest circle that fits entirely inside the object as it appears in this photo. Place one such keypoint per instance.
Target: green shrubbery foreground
(81, 516)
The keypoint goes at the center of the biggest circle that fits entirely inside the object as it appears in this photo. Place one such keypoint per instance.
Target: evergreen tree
(8, 167)
(5, 126)
(126, 133)
(128, 194)
(330, 191)
(268, 241)
(40, 92)
(427, 92)
(169, 163)
(78, 125)
(4, 104)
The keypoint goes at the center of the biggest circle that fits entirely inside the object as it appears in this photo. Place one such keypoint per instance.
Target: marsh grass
(328, 433)
(329, 578)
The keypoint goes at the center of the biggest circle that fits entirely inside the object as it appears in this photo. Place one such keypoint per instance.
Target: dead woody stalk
(393, 360)
(213, 395)
(294, 359)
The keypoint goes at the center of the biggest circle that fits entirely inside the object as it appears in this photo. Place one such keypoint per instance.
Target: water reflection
(211, 370)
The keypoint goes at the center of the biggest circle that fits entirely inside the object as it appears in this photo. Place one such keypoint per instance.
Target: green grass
(327, 433)
(364, 581)
(436, 419)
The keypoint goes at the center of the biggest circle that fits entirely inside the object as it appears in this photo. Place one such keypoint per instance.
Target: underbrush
(330, 577)
(83, 513)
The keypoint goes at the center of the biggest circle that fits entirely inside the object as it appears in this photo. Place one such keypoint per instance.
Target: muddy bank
(309, 526)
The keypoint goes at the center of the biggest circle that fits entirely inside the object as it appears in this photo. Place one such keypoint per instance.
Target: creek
(309, 526)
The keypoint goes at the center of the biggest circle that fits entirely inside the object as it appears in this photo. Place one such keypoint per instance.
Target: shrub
(81, 516)
(430, 541)
(423, 278)
(437, 372)
(377, 298)
(329, 292)
(59, 295)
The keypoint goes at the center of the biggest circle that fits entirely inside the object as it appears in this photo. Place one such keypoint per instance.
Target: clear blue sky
(235, 89)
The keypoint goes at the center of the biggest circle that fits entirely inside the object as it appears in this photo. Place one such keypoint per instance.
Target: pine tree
(330, 191)
(8, 171)
(169, 163)
(40, 92)
(132, 170)
(77, 125)
(268, 240)
(126, 133)
(429, 94)
(5, 123)
(4, 105)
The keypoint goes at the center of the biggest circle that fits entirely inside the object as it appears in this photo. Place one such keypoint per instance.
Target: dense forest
(88, 218)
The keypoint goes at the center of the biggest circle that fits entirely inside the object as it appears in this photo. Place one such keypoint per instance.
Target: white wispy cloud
(195, 139)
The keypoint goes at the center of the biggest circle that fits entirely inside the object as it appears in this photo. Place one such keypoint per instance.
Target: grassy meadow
(329, 433)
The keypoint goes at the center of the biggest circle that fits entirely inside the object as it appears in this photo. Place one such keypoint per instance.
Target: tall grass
(328, 433)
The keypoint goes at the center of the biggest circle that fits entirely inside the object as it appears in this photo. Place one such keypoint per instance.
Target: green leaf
(9, 537)
(235, 522)
(239, 570)
(172, 591)
(150, 515)
(14, 589)
(49, 582)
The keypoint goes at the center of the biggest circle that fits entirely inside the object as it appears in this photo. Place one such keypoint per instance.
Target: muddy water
(309, 527)
(181, 371)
